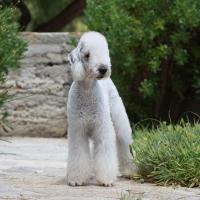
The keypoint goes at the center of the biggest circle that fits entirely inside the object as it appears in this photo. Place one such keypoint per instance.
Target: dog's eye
(87, 55)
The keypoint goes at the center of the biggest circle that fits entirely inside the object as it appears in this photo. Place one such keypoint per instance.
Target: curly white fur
(96, 113)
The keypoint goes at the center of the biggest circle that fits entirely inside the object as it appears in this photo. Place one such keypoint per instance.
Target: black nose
(102, 70)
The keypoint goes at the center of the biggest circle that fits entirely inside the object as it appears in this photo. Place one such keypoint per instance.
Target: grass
(169, 154)
(130, 196)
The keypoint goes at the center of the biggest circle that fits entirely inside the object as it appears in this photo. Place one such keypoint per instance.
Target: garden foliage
(155, 49)
(11, 46)
(169, 154)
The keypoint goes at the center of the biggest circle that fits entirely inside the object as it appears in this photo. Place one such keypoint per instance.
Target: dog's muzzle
(102, 70)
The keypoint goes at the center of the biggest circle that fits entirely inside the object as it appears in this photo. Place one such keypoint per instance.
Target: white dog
(95, 112)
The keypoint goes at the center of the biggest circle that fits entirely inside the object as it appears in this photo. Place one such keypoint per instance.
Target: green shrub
(169, 154)
(155, 49)
(11, 47)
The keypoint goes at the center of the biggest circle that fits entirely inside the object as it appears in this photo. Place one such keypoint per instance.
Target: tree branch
(25, 17)
(164, 79)
(64, 17)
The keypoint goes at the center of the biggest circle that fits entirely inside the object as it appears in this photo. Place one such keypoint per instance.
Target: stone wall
(40, 87)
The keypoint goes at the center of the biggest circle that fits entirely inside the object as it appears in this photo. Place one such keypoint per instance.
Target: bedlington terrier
(96, 113)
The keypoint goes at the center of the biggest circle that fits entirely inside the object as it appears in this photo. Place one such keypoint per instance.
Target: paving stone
(34, 169)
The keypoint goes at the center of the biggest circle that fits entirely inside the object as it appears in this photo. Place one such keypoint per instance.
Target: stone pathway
(33, 169)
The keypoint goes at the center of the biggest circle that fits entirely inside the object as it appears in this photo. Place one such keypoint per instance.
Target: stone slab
(34, 169)
(39, 87)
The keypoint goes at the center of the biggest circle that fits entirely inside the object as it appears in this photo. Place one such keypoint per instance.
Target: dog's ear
(70, 58)
(73, 57)
(78, 72)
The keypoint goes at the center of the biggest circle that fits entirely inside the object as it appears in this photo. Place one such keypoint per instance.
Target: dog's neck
(87, 84)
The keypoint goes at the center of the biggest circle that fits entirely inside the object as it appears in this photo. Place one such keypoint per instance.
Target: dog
(96, 113)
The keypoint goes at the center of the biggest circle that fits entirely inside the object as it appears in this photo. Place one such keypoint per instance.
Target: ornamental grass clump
(169, 154)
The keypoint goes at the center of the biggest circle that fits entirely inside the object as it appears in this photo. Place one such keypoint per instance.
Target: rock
(40, 87)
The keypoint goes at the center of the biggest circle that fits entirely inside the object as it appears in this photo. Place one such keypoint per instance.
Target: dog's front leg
(78, 162)
(105, 155)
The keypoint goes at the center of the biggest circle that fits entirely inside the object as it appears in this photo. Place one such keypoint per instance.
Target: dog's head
(90, 59)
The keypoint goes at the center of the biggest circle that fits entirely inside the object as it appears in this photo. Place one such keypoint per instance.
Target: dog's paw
(76, 180)
(105, 179)
(75, 183)
(105, 183)
(129, 170)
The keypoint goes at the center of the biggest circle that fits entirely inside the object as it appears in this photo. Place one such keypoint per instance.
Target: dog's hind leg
(124, 139)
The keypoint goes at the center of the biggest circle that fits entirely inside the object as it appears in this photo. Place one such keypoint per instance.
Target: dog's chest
(88, 105)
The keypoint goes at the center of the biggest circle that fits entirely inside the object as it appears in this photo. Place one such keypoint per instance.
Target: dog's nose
(102, 70)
